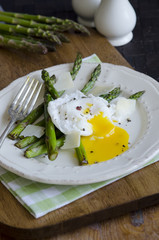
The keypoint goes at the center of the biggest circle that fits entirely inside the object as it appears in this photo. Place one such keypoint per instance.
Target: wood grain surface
(132, 193)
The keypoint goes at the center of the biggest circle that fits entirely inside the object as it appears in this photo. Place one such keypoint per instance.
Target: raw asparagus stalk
(48, 44)
(40, 149)
(76, 66)
(95, 74)
(31, 118)
(37, 32)
(33, 24)
(61, 24)
(112, 94)
(50, 135)
(62, 37)
(23, 22)
(137, 95)
(24, 44)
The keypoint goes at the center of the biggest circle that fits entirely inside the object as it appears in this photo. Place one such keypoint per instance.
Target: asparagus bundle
(44, 31)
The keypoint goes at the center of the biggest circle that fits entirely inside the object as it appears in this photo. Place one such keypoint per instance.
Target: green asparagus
(39, 148)
(137, 95)
(31, 118)
(56, 23)
(37, 32)
(95, 74)
(39, 142)
(26, 141)
(76, 66)
(45, 30)
(34, 152)
(49, 83)
(112, 94)
(24, 44)
(81, 154)
(23, 22)
(50, 135)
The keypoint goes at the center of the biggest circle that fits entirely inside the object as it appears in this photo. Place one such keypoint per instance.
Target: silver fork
(23, 103)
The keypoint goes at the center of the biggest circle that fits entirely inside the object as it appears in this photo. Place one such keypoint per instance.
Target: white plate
(143, 131)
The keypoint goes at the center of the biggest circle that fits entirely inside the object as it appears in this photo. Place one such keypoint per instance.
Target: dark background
(142, 52)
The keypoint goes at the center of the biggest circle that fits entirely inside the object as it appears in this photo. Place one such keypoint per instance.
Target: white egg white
(72, 112)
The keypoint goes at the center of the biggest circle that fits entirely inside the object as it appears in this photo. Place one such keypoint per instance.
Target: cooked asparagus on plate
(78, 120)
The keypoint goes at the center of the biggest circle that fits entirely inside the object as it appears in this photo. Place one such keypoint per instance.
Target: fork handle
(6, 131)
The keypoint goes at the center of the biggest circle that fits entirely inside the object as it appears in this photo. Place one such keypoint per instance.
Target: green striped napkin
(39, 198)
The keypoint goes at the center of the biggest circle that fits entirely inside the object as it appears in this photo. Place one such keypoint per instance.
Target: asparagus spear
(25, 23)
(31, 118)
(137, 95)
(26, 141)
(112, 94)
(61, 24)
(34, 152)
(50, 135)
(62, 37)
(39, 142)
(37, 32)
(33, 24)
(46, 44)
(22, 143)
(24, 44)
(39, 149)
(76, 66)
(81, 154)
(95, 74)
(49, 83)
(80, 151)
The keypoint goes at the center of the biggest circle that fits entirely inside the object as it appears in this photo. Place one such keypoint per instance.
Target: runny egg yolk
(106, 142)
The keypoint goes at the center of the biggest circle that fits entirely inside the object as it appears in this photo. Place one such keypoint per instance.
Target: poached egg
(94, 121)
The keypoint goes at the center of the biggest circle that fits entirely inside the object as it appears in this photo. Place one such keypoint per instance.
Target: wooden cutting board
(138, 190)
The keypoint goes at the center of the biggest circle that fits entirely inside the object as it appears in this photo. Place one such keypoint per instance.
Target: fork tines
(27, 96)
